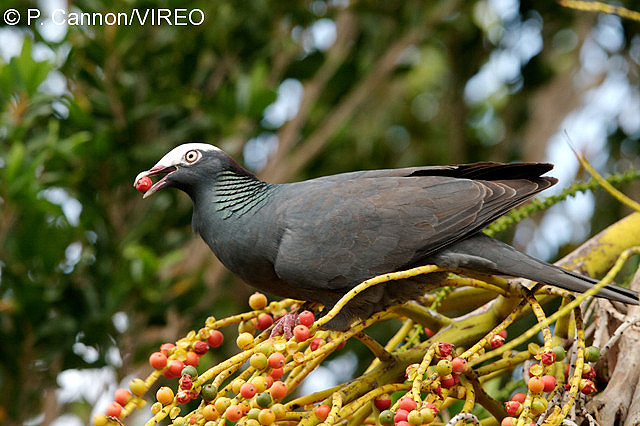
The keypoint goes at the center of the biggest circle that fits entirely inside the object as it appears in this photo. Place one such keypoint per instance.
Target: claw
(285, 325)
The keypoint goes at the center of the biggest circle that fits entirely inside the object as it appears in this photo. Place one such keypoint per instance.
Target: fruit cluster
(255, 386)
(254, 394)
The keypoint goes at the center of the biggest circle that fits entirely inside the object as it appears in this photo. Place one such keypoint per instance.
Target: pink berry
(407, 403)
(459, 365)
(401, 416)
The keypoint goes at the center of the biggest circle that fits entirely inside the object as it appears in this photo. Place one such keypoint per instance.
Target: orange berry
(113, 410)
(536, 384)
(233, 413)
(276, 360)
(122, 396)
(257, 301)
(158, 360)
(278, 390)
(164, 395)
(322, 411)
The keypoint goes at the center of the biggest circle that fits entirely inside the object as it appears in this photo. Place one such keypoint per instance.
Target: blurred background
(93, 278)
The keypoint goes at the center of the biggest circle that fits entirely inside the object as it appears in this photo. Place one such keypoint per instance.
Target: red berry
(548, 357)
(322, 412)
(301, 332)
(192, 359)
(158, 360)
(503, 333)
(269, 381)
(519, 396)
(448, 381)
(407, 403)
(512, 407)
(276, 360)
(143, 184)
(383, 402)
(587, 387)
(444, 349)
(508, 421)
(186, 382)
(174, 369)
(113, 410)
(316, 343)
(200, 347)
(122, 396)
(306, 318)
(459, 365)
(166, 348)
(496, 341)
(588, 372)
(264, 321)
(549, 383)
(276, 373)
(215, 339)
(428, 332)
(248, 390)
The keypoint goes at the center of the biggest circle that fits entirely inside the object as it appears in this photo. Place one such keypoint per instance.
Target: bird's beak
(156, 170)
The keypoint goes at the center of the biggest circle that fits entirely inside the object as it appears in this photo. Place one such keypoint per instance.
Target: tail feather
(581, 283)
(484, 254)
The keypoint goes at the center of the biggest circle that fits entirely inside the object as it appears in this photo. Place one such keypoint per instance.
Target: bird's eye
(192, 156)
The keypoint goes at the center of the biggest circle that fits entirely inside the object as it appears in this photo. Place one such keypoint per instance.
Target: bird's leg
(286, 323)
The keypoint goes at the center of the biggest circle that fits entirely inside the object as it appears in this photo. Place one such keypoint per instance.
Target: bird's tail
(485, 254)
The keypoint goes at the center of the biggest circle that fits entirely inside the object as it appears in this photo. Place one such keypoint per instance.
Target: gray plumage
(315, 240)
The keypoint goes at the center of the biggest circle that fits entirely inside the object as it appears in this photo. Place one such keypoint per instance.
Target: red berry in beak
(143, 184)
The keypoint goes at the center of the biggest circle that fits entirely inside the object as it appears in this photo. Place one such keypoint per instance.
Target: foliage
(80, 251)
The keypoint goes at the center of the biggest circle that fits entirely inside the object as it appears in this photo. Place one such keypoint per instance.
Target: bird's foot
(285, 325)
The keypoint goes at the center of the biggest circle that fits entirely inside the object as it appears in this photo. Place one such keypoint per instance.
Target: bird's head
(187, 166)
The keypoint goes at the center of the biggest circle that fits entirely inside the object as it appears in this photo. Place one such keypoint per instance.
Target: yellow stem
(371, 282)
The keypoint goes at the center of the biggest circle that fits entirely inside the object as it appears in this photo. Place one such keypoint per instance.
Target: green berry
(592, 354)
(264, 399)
(560, 353)
(190, 370)
(209, 392)
(386, 417)
(444, 367)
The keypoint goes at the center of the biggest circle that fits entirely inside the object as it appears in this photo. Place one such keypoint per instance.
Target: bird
(314, 240)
